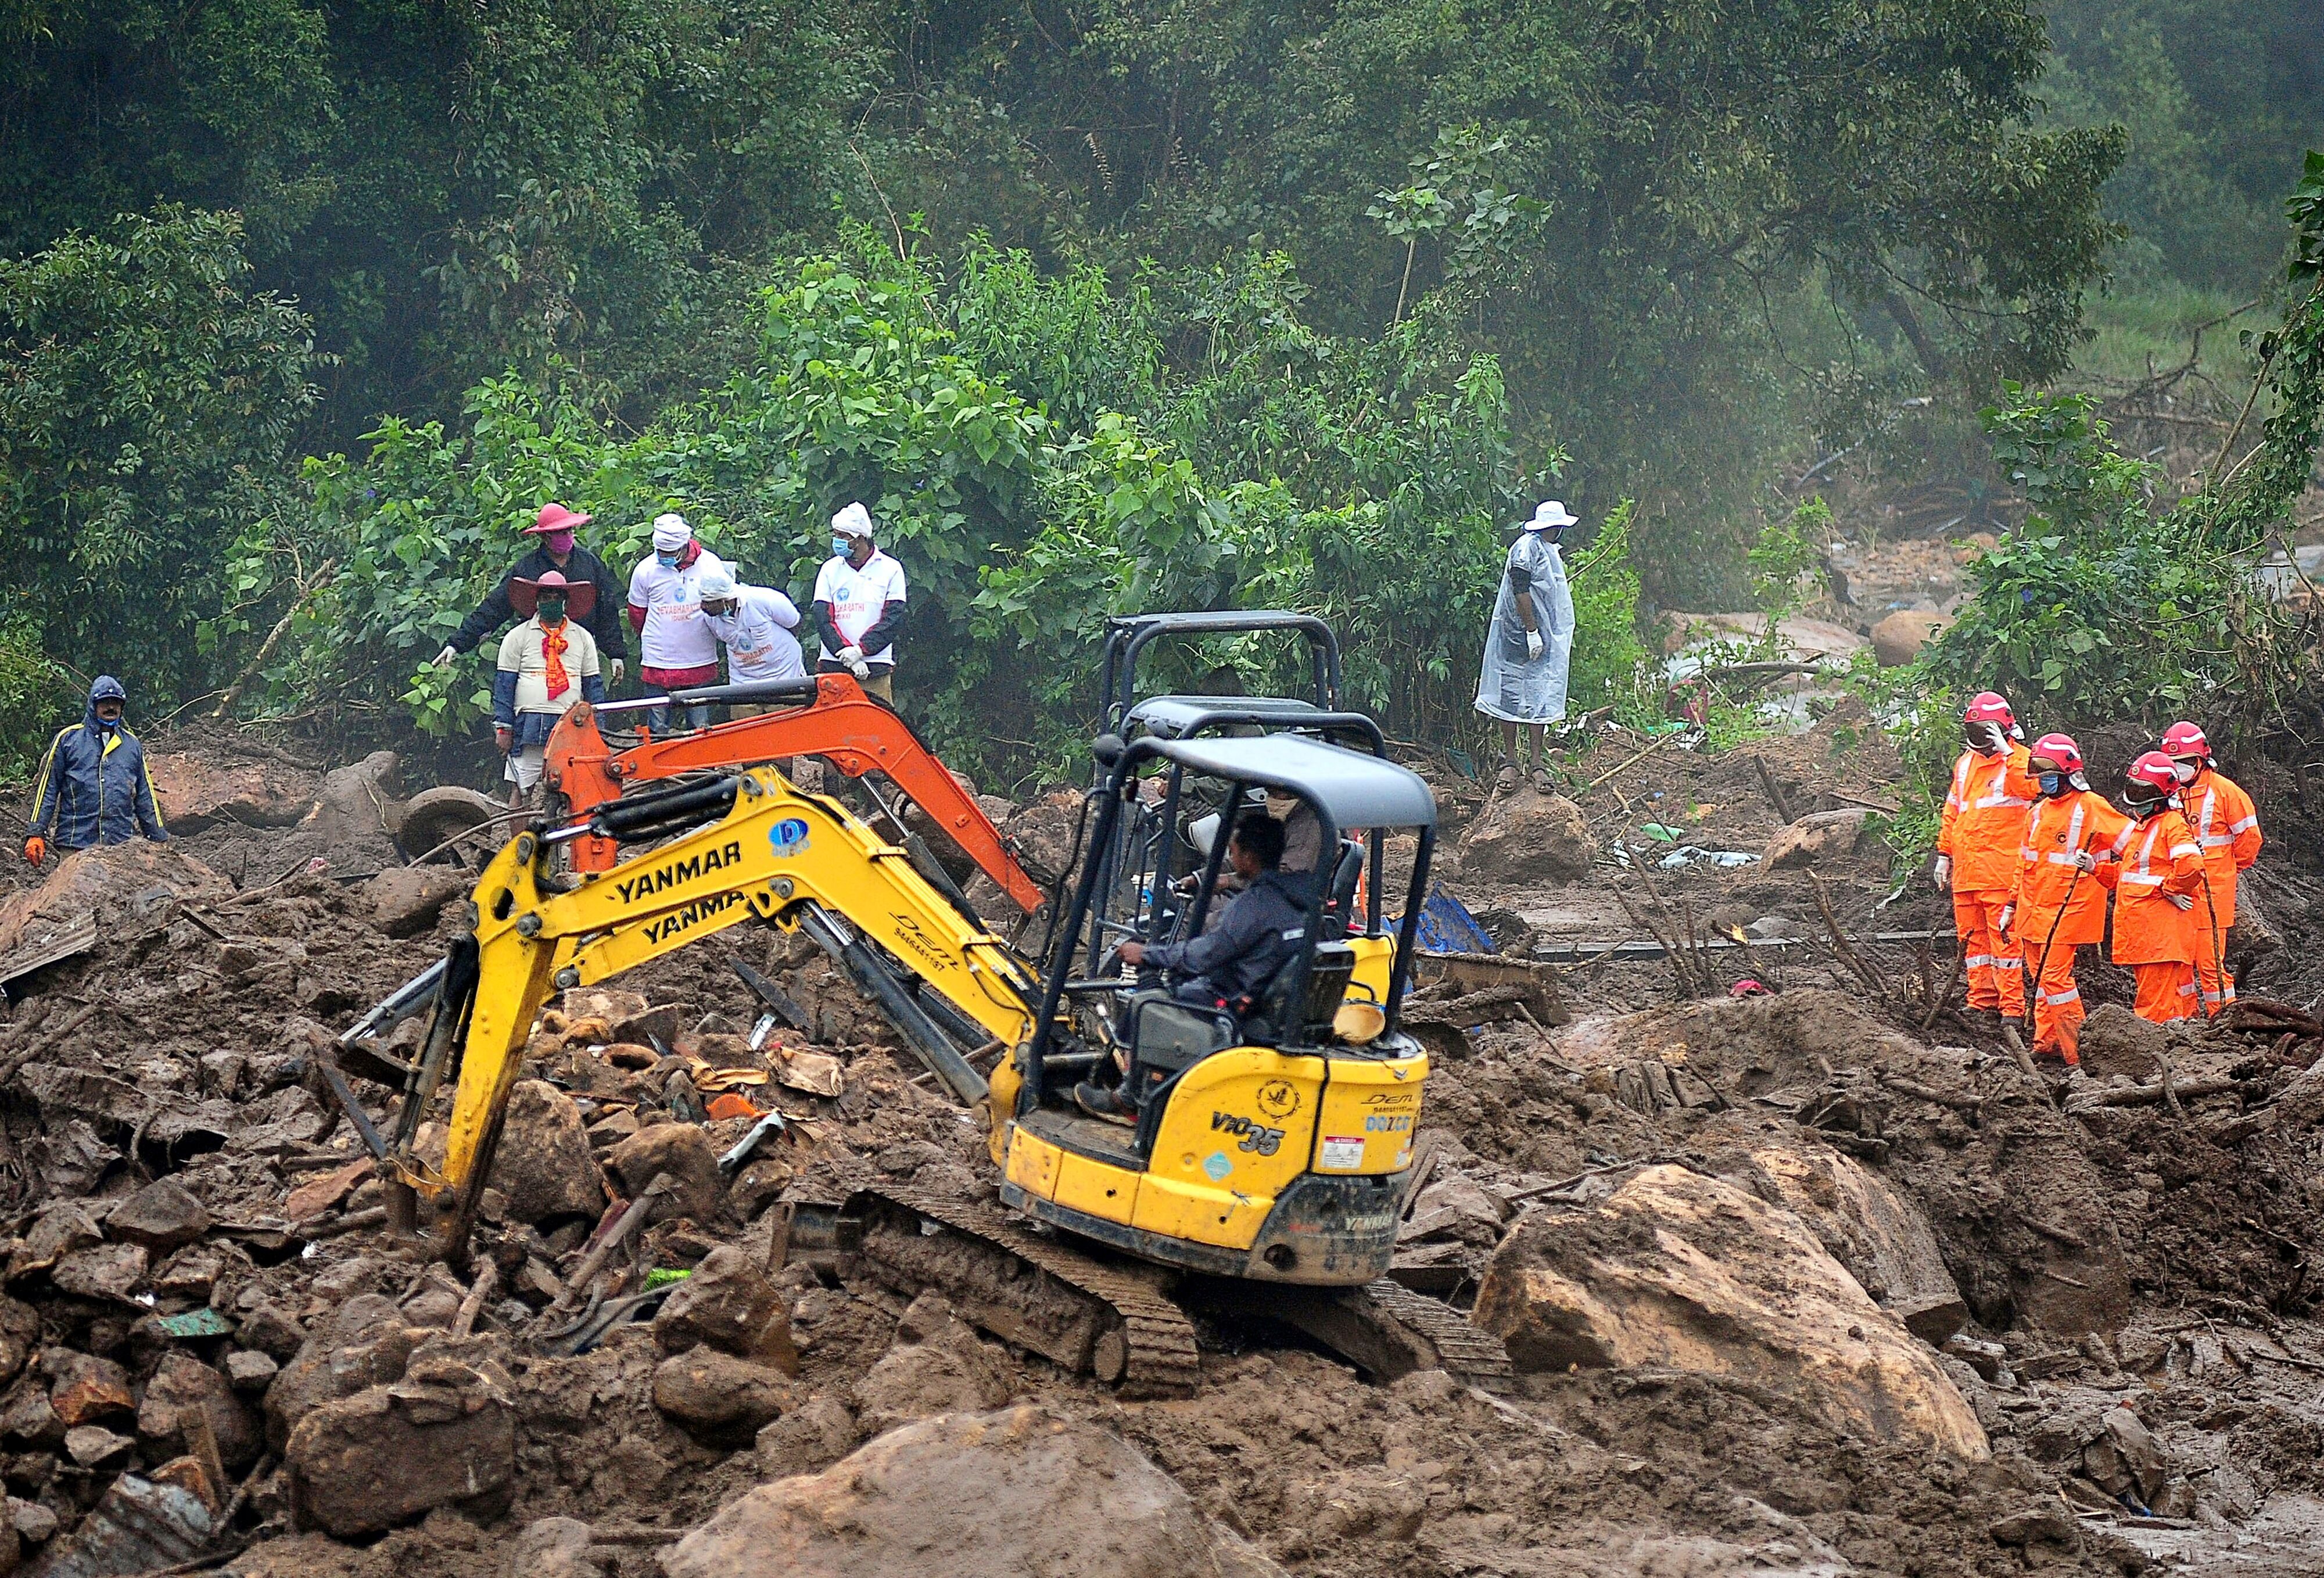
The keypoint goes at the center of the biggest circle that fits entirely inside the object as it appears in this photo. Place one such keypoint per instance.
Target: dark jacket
(94, 788)
(1265, 925)
(604, 621)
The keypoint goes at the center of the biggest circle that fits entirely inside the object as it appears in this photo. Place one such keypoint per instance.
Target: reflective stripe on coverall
(2049, 895)
(2153, 937)
(2226, 824)
(1983, 825)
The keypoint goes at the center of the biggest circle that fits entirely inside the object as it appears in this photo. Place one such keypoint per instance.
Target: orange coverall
(2226, 824)
(1984, 823)
(2152, 861)
(2059, 908)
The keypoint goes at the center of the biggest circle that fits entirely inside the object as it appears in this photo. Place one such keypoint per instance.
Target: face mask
(2185, 771)
(2054, 784)
(2141, 809)
(842, 548)
(557, 542)
(668, 560)
(552, 611)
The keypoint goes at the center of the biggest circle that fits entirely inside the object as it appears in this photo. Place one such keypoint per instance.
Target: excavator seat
(1276, 1020)
(1339, 903)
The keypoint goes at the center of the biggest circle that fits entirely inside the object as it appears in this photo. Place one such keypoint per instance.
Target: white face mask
(2185, 771)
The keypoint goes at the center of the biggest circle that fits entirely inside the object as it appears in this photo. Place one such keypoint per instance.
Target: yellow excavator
(1264, 1175)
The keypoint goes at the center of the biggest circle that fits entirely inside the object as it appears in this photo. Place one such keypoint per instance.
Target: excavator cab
(1161, 841)
(1271, 1142)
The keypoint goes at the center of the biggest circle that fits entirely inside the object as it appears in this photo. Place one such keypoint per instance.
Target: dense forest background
(305, 308)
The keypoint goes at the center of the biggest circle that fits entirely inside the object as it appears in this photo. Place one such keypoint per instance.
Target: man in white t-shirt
(859, 605)
(676, 648)
(754, 624)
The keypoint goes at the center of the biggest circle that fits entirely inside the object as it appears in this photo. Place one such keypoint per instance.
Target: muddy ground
(2099, 1253)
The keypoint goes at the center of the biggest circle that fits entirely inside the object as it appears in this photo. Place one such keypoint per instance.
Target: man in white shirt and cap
(859, 605)
(675, 650)
(754, 624)
(1529, 648)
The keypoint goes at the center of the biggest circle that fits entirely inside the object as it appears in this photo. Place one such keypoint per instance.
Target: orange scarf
(553, 643)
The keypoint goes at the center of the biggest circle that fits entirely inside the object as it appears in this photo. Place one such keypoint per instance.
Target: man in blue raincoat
(1529, 650)
(93, 785)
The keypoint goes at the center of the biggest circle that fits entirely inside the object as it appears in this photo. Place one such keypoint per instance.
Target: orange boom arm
(841, 725)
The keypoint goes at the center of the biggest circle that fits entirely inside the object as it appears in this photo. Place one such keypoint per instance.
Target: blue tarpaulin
(1446, 926)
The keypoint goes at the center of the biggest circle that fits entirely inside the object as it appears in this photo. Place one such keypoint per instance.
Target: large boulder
(355, 814)
(973, 1496)
(406, 900)
(1879, 1235)
(2114, 1040)
(1523, 836)
(363, 1343)
(729, 1304)
(1819, 838)
(544, 1166)
(115, 883)
(183, 1390)
(198, 792)
(1899, 638)
(1675, 1271)
(720, 1398)
(443, 1436)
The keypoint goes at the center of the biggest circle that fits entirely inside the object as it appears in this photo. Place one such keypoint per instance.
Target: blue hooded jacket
(93, 785)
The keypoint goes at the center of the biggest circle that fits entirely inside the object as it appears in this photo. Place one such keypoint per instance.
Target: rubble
(1523, 836)
(2108, 1290)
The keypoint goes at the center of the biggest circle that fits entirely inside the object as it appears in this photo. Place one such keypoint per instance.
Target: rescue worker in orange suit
(2057, 905)
(2157, 878)
(1976, 850)
(2227, 827)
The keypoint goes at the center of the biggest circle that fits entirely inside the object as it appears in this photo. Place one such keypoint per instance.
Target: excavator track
(1023, 1286)
(1383, 1327)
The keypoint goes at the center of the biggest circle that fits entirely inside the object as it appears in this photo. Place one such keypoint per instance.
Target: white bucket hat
(1552, 513)
(671, 534)
(854, 521)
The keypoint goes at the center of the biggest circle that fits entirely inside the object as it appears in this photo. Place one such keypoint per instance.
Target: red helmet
(1988, 706)
(2060, 752)
(555, 518)
(2153, 769)
(2184, 739)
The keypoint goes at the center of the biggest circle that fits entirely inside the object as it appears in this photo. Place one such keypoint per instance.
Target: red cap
(1988, 706)
(2060, 750)
(555, 518)
(2154, 768)
(2184, 739)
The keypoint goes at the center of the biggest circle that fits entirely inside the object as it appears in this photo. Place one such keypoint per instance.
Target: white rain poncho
(1508, 687)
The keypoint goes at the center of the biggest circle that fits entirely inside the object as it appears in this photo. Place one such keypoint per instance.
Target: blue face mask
(668, 561)
(842, 547)
(2053, 784)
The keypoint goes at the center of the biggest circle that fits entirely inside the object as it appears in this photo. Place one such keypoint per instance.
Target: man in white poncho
(1529, 648)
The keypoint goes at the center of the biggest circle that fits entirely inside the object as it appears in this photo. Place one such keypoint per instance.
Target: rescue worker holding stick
(2157, 876)
(2053, 909)
(1978, 842)
(2227, 827)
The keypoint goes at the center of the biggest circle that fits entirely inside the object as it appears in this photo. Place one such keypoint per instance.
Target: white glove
(853, 656)
(443, 659)
(1945, 872)
(1533, 646)
(2180, 900)
(616, 667)
(2001, 922)
(2086, 861)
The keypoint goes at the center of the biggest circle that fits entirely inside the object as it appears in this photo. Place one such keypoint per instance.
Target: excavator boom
(794, 859)
(835, 721)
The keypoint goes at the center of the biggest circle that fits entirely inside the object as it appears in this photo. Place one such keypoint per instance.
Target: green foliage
(1611, 662)
(148, 397)
(36, 697)
(1788, 551)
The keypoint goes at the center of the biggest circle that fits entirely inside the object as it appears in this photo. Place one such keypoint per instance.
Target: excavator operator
(1228, 965)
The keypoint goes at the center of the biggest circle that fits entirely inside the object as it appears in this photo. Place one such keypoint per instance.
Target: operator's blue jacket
(94, 787)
